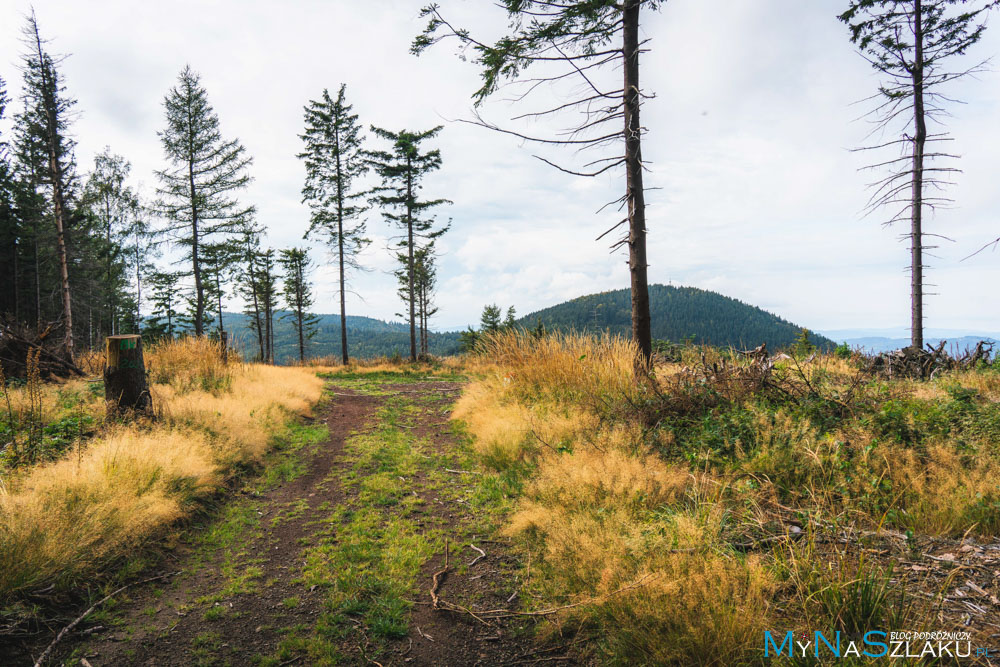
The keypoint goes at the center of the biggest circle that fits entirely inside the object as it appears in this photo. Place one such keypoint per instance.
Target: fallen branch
(439, 577)
(69, 628)
(462, 472)
(482, 554)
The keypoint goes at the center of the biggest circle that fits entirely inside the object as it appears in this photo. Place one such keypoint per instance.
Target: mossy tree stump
(126, 388)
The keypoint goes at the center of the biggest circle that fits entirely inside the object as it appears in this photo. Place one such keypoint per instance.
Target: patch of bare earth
(235, 610)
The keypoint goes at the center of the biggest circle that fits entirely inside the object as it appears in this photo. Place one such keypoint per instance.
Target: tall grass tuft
(191, 363)
(63, 521)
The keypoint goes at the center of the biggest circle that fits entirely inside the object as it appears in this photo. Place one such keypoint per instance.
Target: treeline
(84, 249)
(368, 338)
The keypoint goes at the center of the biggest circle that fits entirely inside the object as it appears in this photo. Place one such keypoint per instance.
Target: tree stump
(126, 388)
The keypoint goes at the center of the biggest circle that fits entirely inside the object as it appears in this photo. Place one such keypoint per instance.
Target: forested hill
(366, 338)
(678, 313)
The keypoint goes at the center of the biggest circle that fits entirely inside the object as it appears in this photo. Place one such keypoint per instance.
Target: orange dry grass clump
(610, 524)
(61, 521)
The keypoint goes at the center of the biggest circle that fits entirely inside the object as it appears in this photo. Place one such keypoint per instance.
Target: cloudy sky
(749, 134)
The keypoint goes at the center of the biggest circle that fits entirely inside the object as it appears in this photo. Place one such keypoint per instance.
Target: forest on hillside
(679, 314)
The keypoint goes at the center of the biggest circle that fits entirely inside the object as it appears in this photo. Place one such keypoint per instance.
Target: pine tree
(578, 40)
(165, 302)
(296, 267)
(911, 43)
(267, 297)
(197, 190)
(9, 228)
(219, 260)
(402, 170)
(47, 116)
(248, 280)
(334, 160)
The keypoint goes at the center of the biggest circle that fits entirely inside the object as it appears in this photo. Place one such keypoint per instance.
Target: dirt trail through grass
(328, 557)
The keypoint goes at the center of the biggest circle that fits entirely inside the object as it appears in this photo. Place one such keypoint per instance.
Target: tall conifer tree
(402, 169)
(334, 160)
(296, 266)
(912, 44)
(46, 116)
(198, 188)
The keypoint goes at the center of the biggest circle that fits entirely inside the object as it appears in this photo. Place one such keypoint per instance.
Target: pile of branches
(917, 364)
(17, 341)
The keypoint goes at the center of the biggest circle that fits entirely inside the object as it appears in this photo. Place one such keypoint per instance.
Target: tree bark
(409, 270)
(58, 200)
(340, 246)
(125, 386)
(300, 314)
(199, 293)
(916, 210)
(641, 323)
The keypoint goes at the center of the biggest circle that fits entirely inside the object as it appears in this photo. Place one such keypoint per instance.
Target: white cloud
(748, 140)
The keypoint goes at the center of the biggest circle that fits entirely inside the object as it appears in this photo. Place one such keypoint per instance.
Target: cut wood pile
(918, 364)
(17, 341)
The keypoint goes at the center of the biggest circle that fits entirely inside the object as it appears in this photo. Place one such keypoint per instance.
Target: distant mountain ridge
(367, 337)
(678, 313)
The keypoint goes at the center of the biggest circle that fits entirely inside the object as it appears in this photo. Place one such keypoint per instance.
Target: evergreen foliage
(296, 265)
(679, 314)
(198, 188)
(334, 160)
(402, 169)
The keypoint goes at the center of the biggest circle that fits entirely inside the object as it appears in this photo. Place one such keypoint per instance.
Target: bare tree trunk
(635, 196)
(256, 305)
(199, 309)
(409, 265)
(340, 244)
(58, 199)
(916, 211)
(300, 314)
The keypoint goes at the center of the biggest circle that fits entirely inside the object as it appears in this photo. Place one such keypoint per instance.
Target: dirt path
(328, 557)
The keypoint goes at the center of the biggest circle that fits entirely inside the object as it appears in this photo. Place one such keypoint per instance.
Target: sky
(757, 193)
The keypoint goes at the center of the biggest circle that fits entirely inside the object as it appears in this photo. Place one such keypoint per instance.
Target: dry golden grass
(61, 521)
(190, 363)
(602, 513)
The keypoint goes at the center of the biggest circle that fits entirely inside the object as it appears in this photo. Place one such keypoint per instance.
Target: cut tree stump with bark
(125, 385)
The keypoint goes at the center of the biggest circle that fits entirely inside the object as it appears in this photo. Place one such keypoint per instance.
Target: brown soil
(165, 623)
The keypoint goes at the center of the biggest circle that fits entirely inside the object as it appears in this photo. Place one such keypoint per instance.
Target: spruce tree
(197, 190)
(912, 44)
(266, 288)
(46, 117)
(247, 286)
(402, 169)
(296, 266)
(165, 299)
(575, 40)
(219, 260)
(9, 228)
(334, 160)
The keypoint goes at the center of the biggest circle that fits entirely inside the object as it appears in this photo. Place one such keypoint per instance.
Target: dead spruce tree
(576, 40)
(915, 45)
(334, 160)
(46, 116)
(197, 190)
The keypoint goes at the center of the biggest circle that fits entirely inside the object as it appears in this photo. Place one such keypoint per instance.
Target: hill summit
(678, 313)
